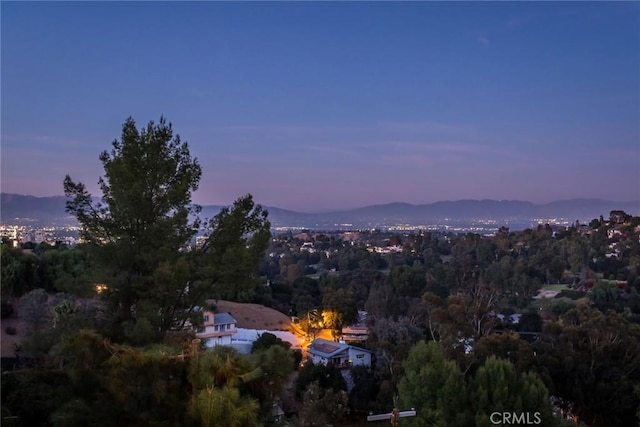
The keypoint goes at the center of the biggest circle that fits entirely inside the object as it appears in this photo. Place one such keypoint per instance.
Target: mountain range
(42, 211)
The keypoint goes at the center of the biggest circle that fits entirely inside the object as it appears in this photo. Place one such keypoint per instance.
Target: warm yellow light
(100, 288)
(329, 318)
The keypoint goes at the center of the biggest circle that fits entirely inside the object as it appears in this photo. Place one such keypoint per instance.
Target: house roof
(325, 348)
(223, 319)
(328, 349)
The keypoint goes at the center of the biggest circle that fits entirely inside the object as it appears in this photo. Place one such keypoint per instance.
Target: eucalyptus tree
(593, 361)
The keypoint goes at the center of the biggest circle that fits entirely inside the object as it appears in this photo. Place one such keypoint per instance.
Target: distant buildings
(19, 234)
(395, 249)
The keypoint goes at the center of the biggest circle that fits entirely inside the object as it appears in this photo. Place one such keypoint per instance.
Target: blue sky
(320, 105)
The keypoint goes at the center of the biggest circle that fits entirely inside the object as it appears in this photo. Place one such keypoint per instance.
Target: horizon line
(337, 209)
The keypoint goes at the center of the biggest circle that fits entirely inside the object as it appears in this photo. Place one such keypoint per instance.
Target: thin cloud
(23, 137)
(516, 22)
(444, 146)
(332, 150)
(61, 142)
(424, 127)
(480, 38)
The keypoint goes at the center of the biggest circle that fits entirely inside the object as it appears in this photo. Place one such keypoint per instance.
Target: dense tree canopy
(593, 360)
(435, 387)
(442, 395)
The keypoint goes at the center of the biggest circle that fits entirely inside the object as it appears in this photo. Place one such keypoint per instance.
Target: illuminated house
(338, 354)
(218, 329)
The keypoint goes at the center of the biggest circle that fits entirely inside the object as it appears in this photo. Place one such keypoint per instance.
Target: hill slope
(254, 316)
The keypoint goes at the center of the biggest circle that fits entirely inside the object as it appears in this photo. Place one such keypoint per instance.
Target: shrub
(571, 294)
(267, 340)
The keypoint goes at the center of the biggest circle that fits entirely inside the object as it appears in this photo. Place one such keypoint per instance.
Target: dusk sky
(321, 105)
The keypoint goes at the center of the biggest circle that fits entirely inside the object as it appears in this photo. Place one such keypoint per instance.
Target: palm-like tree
(216, 400)
(224, 406)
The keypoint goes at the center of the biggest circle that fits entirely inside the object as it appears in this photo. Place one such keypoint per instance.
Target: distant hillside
(580, 209)
(16, 209)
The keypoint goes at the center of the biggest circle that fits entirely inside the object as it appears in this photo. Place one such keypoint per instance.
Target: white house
(338, 354)
(218, 329)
